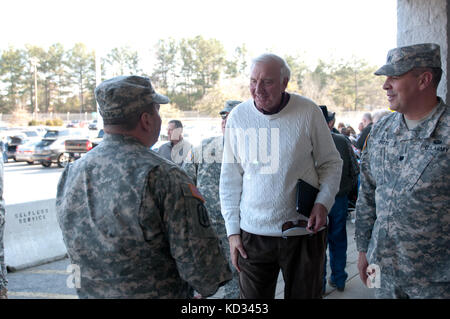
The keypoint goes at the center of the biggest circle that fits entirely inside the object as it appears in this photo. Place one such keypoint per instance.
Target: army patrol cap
(329, 116)
(404, 59)
(229, 105)
(121, 96)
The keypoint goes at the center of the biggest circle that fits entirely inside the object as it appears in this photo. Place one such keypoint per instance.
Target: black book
(306, 196)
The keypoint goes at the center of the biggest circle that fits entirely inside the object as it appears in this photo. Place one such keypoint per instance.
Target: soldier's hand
(318, 217)
(235, 249)
(362, 267)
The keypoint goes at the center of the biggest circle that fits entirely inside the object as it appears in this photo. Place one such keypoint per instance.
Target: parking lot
(26, 183)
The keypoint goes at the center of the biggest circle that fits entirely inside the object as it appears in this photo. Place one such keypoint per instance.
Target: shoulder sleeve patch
(195, 192)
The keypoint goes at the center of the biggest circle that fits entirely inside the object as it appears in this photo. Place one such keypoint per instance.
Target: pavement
(54, 280)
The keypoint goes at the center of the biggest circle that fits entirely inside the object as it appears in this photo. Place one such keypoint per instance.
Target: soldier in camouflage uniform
(3, 280)
(203, 165)
(402, 213)
(132, 221)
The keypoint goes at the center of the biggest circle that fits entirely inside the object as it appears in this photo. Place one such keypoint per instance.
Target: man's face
(402, 91)
(173, 132)
(266, 86)
(365, 122)
(360, 126)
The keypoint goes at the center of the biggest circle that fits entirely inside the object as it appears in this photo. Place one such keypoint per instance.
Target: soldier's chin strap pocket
(197, 216)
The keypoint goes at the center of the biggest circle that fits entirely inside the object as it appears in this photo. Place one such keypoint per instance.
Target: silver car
(52, 149)
(25, 152)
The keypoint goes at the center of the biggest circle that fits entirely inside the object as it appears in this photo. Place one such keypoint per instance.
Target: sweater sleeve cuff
(325, 201)
(233, 228)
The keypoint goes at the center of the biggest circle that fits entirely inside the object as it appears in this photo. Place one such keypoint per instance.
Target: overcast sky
(315, 28)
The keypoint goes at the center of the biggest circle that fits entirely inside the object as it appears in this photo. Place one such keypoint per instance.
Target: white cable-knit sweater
(265, 155)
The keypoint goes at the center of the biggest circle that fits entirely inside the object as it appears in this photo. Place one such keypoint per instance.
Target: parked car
(69, 132)
(12, 141)
(18, 137)
(52, 147)
(93, 125)
(75, 148)
(25, 152)
(73, 124)
(32, 135)
(41, 130)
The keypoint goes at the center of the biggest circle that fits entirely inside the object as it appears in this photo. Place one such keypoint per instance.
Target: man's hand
(235, 249)
(362, 267)
(318, 217)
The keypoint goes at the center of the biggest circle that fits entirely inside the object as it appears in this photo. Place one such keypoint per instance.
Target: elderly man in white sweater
(271, 141)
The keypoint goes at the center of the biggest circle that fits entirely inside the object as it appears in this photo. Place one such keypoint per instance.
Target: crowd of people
(364, 127)
(269, 195)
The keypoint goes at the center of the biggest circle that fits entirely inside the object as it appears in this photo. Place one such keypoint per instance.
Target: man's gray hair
(379, 114)
(285, 71)
(367, 116)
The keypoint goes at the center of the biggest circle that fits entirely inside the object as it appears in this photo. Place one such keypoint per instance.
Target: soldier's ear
(425, 80)
(145, 121)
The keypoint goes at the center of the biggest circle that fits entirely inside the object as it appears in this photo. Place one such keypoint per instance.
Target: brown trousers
(300, 258)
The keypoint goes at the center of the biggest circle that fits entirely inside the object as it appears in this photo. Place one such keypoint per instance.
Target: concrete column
(421, 21)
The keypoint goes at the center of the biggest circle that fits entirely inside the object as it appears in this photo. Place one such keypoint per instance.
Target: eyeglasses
(224, 115)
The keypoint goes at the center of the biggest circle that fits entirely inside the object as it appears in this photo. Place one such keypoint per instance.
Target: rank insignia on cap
(195, 192)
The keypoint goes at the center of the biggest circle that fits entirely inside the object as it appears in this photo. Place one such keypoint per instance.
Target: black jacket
(350, 168)
(362, 138)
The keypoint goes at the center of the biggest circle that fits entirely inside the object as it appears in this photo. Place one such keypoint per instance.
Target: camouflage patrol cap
(229, 105)
(121, 96)
(404, 59)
